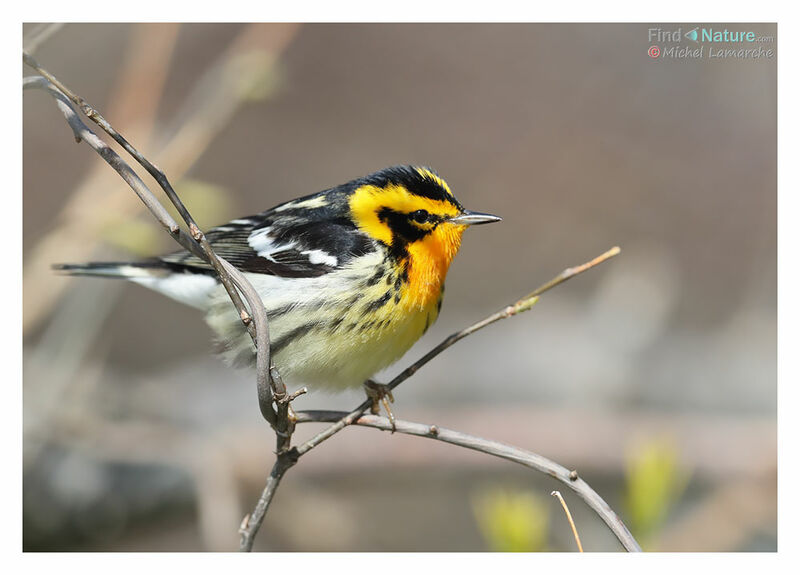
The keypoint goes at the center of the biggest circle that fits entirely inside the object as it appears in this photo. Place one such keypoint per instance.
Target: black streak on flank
(401, 279)
(296, 333)
(376, 277)
(378, 303)
(277, 312)
(352, 301)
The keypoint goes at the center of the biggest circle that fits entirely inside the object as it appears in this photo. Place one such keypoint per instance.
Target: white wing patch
(264, 246)
(321, 257)
(316, 202)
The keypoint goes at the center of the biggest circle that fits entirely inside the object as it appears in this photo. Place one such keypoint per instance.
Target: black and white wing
(304, 238)
(285, 242)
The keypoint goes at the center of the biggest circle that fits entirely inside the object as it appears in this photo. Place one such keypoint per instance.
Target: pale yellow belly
(351, 353)
(331, 340)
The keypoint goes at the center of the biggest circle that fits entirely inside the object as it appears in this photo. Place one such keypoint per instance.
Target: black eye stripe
(404, 231)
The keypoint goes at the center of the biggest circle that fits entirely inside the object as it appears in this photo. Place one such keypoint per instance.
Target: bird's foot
(380, 394)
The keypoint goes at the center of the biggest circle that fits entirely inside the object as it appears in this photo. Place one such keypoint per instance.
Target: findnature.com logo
(707, 42)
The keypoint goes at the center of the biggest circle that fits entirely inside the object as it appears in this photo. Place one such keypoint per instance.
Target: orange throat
(428, 262)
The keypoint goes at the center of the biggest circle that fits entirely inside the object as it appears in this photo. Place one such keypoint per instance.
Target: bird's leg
(380, 393)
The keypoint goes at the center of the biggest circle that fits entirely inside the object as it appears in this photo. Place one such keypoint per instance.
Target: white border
(410, 10)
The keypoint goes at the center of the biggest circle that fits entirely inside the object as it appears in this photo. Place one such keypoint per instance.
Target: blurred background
(653, 375)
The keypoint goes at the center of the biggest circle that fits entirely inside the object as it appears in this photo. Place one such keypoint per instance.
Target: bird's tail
(191, 287)
(119, 270)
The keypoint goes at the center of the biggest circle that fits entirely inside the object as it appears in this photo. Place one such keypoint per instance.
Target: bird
(351, 277)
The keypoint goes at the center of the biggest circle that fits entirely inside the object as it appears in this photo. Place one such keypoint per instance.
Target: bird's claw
(380, 394)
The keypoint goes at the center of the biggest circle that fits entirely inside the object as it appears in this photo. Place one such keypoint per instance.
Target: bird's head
(412, 212)
(406, 206)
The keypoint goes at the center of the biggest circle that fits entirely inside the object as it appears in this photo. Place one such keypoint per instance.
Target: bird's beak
(468, 218)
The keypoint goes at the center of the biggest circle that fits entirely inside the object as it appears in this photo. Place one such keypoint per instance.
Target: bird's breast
(427, 264)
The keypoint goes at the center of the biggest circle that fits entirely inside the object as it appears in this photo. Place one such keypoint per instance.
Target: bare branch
(497, 449)
(162, 180)
(231, 79)
(252, 521)
(230, 277)
(133, 102)
(342, 420)
(83, 133)
(521, 305)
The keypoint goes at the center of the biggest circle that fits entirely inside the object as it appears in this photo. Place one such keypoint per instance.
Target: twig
(133, 102)
(342, 419)
(256, 319)
(498, 449)
(557, 494)
(521, 305)
(252, 521)
(161, 178)
(230, 277)
(270, 386)
(83, 133)
(229, 80)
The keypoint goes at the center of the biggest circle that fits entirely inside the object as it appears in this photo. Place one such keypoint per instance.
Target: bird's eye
(420, 216)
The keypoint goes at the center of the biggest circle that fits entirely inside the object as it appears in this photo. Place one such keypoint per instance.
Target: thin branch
(521, 305)
(162, 180)
(133, 102)
(252, 521)
(497, 449)
(270, 386)
(342, 419)
(557, 494)
(256, 319)
(231, 79)
(83, 133)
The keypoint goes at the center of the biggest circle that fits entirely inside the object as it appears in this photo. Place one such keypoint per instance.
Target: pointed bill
(468, 218)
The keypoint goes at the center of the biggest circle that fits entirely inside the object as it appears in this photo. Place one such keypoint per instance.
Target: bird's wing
(283, 242)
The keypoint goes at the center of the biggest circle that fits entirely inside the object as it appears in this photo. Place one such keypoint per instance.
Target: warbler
(350, 277)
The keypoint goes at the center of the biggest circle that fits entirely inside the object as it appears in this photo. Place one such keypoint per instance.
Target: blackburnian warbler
(350, 277)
